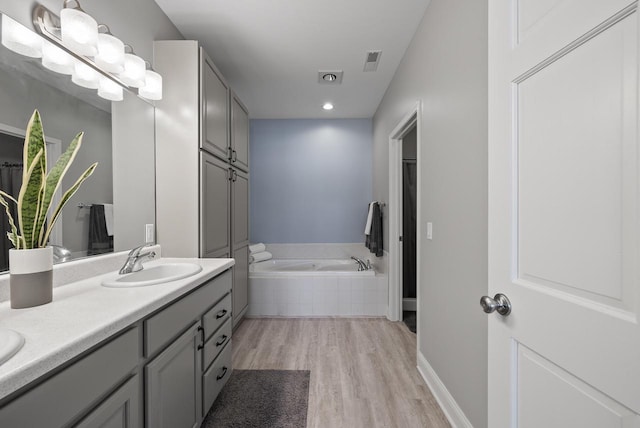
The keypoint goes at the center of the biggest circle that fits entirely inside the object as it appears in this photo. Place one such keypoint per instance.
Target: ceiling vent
(371, 60)
(330, 77)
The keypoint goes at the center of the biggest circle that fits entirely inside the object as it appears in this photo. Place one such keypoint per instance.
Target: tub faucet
(135, 259)
(361, 265)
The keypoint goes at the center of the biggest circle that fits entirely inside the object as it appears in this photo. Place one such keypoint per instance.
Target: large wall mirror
(111, 209)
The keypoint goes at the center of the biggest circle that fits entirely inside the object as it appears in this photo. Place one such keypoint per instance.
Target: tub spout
(361, 265)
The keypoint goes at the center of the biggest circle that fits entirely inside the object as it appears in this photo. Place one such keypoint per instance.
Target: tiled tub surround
(309, 293)
(83, 314)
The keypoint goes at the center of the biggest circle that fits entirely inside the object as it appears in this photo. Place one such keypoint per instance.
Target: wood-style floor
(363, 370)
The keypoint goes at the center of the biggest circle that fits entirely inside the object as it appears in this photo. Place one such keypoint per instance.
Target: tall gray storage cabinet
(202, 163)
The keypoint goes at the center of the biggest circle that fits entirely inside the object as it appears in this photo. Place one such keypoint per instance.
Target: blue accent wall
(311, 180)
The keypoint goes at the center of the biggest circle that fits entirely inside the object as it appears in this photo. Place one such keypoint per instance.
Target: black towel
(99, 241)
(373, 241)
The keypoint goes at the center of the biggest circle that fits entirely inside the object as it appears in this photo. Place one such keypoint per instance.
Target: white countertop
(83, 314)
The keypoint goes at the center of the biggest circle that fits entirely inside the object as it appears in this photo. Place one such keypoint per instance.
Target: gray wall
(446, 68)
(310, 180)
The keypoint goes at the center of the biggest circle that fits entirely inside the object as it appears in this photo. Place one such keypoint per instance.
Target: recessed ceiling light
(327, 106)
(329, 77)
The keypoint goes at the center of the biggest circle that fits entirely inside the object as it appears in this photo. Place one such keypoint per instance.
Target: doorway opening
(404, 228)
(409, 213)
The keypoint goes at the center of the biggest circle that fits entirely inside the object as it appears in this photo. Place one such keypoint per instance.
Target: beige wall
(445, 67)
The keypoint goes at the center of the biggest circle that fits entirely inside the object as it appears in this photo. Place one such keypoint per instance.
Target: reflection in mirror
(90, 222)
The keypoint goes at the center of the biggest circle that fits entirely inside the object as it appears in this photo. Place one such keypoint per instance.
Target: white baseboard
(452, 411)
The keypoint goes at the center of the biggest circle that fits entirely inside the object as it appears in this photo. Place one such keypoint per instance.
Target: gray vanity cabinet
(121, 410)
(215, 206)
(174, 383)
(240, 283)
(214, 110)
(239, 134)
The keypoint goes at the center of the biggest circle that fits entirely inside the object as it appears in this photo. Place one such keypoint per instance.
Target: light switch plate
(149, 235)
(429, 230)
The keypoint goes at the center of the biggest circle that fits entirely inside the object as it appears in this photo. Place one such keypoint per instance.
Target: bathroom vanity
(154, 356)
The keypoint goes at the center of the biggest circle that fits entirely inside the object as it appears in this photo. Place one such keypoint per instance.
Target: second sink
(154, 275)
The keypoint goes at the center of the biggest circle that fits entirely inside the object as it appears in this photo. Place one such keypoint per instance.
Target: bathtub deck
(363, 370)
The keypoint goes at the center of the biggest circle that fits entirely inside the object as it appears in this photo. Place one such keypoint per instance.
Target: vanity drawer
(213, 346)
(213, 319)
(167, 324)
(216, 377)
(66, 395)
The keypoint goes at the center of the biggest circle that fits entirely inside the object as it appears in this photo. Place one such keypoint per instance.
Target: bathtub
(326, 267)
(315, 288)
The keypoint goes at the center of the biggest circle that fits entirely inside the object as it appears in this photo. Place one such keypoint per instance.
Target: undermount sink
(158, 274)
(10, 343)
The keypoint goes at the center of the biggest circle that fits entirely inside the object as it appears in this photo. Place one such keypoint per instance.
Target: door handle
(500, 303)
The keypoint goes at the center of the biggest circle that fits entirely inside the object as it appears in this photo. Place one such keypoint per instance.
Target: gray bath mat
(262, 398)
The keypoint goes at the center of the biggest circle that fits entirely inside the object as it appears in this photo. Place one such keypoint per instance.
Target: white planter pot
(31, 277)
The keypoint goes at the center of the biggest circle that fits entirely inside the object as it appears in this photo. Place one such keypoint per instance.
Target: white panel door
(564, 213)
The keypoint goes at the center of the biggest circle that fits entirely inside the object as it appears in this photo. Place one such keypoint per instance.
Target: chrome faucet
(135, 259)
(361, 265)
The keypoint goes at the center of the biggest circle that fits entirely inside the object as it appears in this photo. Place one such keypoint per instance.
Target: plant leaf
(13, 234)
(65, 198)
(29, 199)
(53, 182)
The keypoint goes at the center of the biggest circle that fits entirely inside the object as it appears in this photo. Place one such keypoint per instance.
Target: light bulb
(327, 106)
(134, 71)
(110, 90)
(55, 59)
(152, 88)
(79, 31)
(110, 53)
(20, 39)
(85, 76)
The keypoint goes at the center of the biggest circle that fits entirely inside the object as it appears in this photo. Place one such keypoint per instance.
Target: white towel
(260, 257)
(367, 228)
(108, 218)
(257, 248)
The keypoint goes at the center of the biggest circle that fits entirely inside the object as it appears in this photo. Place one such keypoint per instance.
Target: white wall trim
(413, 117)
(447, 403)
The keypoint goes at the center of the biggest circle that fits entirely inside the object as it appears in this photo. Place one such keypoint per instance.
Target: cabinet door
(215, 109)
(240, 212)
(239, 134)
(174, 384)
(240, 294)
(120, 410)
(215, 201)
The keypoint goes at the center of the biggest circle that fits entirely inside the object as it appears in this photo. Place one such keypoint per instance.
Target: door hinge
(400, 239)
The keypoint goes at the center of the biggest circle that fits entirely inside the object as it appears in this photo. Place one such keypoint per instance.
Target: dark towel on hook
(99, 240)
(373, 241)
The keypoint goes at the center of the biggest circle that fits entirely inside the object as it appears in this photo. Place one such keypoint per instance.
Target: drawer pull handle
(221, 314)
(223, 339)
(224, 372)
(201, 345)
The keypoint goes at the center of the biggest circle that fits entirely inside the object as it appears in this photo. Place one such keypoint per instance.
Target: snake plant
(38, 188)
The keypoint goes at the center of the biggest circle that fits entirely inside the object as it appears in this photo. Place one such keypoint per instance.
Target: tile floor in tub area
(318, 296)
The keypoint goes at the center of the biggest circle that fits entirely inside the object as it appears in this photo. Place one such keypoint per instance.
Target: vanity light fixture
(327, 106)
(79, 30)
(110, 90)
(110, 55)
(102, 62)
(85, 76)
(134, 69)
(20, 39)
(55, 59)
(152, 89)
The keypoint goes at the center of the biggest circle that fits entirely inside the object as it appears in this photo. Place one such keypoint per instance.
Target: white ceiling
(270, 51)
